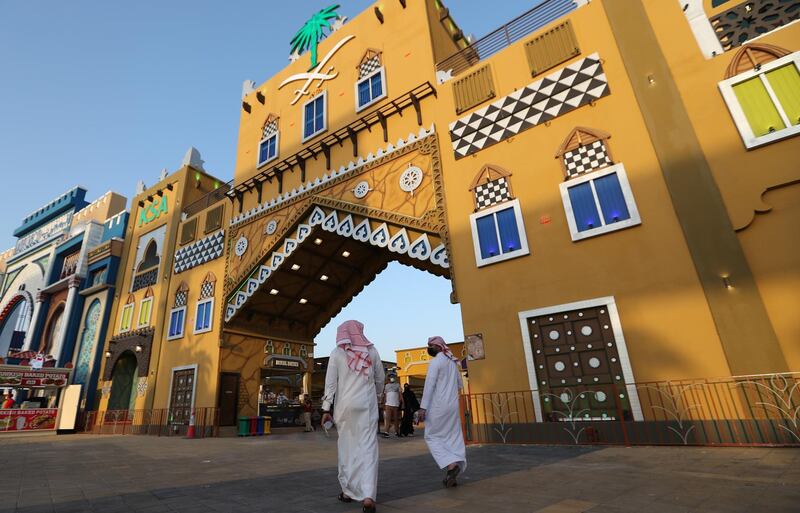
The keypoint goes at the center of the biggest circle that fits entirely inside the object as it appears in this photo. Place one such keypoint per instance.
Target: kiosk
(38, 397)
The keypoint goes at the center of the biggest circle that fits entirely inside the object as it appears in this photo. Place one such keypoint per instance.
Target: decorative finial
(192, 159)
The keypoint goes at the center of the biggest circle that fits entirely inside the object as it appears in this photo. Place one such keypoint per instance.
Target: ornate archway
(295, 261)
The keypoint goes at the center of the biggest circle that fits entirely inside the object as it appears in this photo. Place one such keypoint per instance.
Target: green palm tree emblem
(312, 32)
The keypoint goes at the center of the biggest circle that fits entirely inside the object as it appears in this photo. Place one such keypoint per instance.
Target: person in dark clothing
(410, 405)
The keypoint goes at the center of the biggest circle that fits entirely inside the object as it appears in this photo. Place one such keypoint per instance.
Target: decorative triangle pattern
(554, 95)
(198, 253)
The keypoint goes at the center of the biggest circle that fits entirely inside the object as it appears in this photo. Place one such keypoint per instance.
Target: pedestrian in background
(307, 409)
(394, 401)
(440, 411)
(410, 406)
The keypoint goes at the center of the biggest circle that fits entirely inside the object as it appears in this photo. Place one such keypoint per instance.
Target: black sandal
(450, 479)
(369, 509)
(344, 498)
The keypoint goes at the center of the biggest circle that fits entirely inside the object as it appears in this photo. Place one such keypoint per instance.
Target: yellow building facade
(599, 188)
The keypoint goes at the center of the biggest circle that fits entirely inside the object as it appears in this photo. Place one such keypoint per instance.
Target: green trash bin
(244, 426)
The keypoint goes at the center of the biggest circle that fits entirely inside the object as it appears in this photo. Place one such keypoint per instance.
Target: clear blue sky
(103, 94)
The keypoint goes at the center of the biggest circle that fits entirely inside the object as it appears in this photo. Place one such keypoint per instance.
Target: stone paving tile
(297, 473)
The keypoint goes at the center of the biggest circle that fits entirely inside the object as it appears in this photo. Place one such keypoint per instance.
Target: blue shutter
(584, 208)
(487, 236)
(377, 85)
(308, 125)
(272, 147)
(363, 93)
(509, 232)
(263, 151)
(319, 106)
(612, 201)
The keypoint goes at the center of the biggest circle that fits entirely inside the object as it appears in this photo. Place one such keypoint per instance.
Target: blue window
(370, 89)
(176, 322)
(499, 233)
(599, 202)
(268, 149)
(202, 322)
(314, 117)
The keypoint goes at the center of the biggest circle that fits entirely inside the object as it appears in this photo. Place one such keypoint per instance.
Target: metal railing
(157, 422)
(504, 36)
(740, 411)
(207, 200)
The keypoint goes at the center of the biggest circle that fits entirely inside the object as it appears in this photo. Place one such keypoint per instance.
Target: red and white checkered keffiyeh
(438, 343)
(350, 337)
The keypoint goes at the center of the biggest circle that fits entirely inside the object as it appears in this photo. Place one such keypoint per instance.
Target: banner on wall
(28, 420)
(23, 376)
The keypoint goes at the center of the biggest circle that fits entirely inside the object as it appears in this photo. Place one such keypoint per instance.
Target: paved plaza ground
(297, 473)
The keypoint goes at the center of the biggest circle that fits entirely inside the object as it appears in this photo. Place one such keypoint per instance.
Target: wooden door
(228, 398)
(578, 367)
(180, 404)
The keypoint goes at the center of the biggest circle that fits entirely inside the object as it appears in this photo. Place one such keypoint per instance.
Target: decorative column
(73, 284)
(37, 307)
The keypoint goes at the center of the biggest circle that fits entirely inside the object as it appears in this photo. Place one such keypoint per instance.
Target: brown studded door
(180, 404)
(228, 398)
(578, 368)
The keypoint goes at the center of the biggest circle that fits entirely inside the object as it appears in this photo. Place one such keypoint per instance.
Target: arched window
(498, 231)
(287, 349)
(205, 305)
(177, 316)
(14, 322)
(127, 314)
(371, 83)
(761, 91)
(270, 139)
(87, 344)
(148, 258)
(145, 309)
(53, 331)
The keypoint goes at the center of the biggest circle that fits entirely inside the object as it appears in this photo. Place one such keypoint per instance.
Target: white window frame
(141, 305)
(383, 94)
(276, 135)
(622, 349)
(183, 325)
(748, 137)
(523, 238)
(324, 95)
(630, 202)
(122, 328)
(210, 319)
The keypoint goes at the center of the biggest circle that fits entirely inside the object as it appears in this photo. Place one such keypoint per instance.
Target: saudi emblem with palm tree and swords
(307, 39)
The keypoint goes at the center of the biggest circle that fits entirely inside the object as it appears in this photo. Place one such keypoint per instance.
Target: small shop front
(37, 395)
(284, 381)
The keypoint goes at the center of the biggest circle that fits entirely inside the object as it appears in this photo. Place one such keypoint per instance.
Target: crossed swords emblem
(316, 73)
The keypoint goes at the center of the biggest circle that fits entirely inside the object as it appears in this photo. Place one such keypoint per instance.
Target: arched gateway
(294, 262)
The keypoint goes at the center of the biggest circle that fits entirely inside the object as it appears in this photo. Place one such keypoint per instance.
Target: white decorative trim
(748, 137)
(183, 325)
(324, 95)
(342, 224)
(630, 202)
(619, 339)
(701, 28)
(523, 238)
(350, 168)
(380, 71)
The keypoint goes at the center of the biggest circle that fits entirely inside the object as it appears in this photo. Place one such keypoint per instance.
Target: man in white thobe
(440, 411)
(355, 381)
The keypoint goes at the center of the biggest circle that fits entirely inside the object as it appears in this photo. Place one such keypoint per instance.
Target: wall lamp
(138, 348)
(108, 354)
(727, 282)
(379, 14)
(403, 3)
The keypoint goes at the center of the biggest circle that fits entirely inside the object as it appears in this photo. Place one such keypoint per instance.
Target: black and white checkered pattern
(554, 95)
(180, 299)
(586, 158)
(369, 66)
(200, 252)
(492, 193)
(206, 289)
(270, 129)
